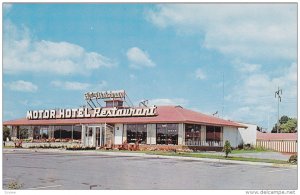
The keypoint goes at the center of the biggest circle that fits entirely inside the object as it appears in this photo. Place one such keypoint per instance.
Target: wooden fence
(289, 146)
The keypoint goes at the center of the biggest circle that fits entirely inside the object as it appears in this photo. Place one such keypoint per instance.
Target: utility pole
(277, 94)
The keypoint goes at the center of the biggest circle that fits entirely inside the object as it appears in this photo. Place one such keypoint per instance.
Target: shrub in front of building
(77, 147)
(293, 159)
(227, 148)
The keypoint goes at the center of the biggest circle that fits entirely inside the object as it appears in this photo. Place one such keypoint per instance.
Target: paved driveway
(74, 171)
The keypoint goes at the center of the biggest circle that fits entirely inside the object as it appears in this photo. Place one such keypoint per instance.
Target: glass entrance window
(63, 132)
(137, 133)
(98, 136)
(44, 132)
(77, 132)
(192, 134)
(167, 134)
(23, 132)
(214, 133)
(90, 131)
(36, 132)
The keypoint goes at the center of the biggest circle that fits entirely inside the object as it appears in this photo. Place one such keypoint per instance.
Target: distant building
(282, 142)
(248, 136)
(277, 136)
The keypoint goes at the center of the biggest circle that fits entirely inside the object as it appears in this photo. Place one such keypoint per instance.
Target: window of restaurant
(63, 132)
(23, 132)
(44, 132)
(137, 132)
(167, 134)
(77, 132)
(66, 132)
(36, 132)
(57, 132)
(90, 131)
(192, 134)
(214, 133)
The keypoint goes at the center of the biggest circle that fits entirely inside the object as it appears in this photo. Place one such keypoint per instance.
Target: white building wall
(118, 133)
(248, 135)
(232, 135)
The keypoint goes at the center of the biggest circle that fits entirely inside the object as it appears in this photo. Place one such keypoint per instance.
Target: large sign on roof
(104, 94)
(89, 113)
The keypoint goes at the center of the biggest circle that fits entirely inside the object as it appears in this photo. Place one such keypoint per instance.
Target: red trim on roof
(276, 136)
(166, 114)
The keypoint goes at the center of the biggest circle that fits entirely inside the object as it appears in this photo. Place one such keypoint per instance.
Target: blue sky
(167, 53)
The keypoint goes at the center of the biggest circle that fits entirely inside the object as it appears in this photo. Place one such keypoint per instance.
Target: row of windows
(48, 132)
(168, 134)
(192, 133)
(165, 133)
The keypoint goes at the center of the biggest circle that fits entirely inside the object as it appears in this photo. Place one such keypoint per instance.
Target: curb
(11, 150)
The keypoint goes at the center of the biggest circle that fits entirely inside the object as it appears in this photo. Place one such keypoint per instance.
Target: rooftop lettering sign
(104, 94)
(88, 113)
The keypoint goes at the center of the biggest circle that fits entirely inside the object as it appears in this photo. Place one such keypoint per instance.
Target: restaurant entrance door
(100, 135)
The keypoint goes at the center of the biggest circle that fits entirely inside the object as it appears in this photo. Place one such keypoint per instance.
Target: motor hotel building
(114, 124)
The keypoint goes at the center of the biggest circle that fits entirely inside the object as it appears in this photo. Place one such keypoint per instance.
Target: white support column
(203, 134)
(118, 134)
(94, 137)
(151, 134)
(180, 134)
(83, 127)
(125, 133)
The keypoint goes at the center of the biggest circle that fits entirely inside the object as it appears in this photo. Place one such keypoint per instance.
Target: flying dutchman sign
(104, 94)
(88, 113)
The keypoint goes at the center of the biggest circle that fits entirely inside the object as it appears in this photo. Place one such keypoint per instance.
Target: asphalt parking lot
(76, 171)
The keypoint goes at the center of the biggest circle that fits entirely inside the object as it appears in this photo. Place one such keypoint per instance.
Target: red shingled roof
(276, 136)
(166, 114)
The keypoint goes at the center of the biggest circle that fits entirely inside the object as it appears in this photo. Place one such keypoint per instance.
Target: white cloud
(28, 103)
(245, 30)
(23, 86)
(256, 92)
(200, 74)
(7, 7)
(74, 85)
(246, 67)
(132, 76)
(167, 101)
(138, 58)
(70, 85)
(21, 53)
(99, 86)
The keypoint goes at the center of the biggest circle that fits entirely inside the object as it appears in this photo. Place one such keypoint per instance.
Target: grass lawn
(212, 156)
(248, 151)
